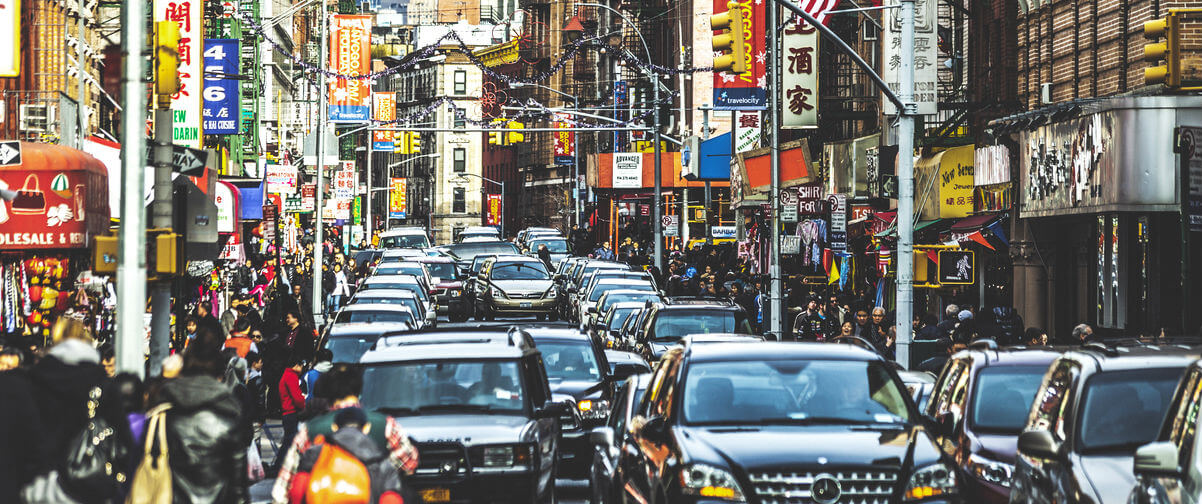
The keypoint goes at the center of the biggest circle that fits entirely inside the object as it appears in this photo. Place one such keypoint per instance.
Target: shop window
(459, 203)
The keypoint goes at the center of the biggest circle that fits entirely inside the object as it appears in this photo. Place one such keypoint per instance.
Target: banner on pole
(186, 103)
(926, 58)
(398, 198)
(799, 76)
(383, 109)
(221, 109)
(350, 54)
(745, 91)
(565, 144)
(494, 210)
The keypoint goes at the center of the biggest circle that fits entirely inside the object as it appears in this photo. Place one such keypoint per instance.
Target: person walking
(22, 451)
(239, 339)
(292, 402)
(299, 338)
(61, 383)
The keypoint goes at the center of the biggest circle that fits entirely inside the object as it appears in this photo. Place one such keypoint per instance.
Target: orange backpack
(338, 478)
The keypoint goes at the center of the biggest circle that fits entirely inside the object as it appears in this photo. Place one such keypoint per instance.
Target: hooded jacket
(206, 441)
(61, 382)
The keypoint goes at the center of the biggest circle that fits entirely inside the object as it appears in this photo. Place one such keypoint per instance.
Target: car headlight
(593, 410)
(503, 456)
(497, 292)
(710, 482)
(931, 481)
(990, 471)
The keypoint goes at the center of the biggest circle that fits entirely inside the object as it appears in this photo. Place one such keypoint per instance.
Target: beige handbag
(152, 480)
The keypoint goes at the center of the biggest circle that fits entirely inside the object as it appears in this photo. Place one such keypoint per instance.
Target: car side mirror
(1038, 444)
(553, 409)
(655, 428)
(592, 310)
(945, 424)
(626, 370)
(557, 277)
(601, 436)
(1157, 459)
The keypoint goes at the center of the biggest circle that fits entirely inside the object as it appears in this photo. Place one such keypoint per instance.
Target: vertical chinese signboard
(925, 55)
(10, 38)
(220, 111)
(383, 110)
(747, 130)
(350, 54)
(185, 103)
(799, 76)
(494, 210)
(398, 198)
(565, 144)
(746, 90)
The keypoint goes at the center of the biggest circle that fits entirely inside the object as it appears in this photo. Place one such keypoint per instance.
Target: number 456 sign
(220, 90)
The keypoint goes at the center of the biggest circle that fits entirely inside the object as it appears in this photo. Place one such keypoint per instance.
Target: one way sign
(183, 160)
(10, 153)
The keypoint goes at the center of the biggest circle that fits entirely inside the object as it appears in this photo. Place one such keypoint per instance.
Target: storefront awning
(61, 198)
(919, 226)
(974, 223)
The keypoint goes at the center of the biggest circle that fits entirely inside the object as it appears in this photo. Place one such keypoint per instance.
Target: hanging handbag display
(152, 480)
(30, 200)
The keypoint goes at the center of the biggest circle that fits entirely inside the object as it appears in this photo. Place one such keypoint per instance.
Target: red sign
(51, 208)
(745, 91)
(383, 110)
(565, 145)
(350, 54)
(494, 210)
(860, 212)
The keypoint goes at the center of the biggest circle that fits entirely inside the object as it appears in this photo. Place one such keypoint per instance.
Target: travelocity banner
(350, 54)
(186, 103)
(746, 90)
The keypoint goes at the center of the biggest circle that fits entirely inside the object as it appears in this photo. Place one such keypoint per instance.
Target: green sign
(357, 211)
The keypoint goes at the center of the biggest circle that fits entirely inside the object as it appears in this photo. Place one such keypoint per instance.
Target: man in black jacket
(21, 447)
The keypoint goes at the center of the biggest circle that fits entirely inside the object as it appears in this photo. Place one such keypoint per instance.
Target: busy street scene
(600, 251)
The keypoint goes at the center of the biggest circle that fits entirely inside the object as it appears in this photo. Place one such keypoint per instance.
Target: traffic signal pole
(776, 327)
(318, 241)
(161, 217)
(131, 236)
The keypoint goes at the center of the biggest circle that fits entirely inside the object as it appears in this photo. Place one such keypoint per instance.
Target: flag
(1000, 232)
(834, 272)
(820, 9)
(980, 238)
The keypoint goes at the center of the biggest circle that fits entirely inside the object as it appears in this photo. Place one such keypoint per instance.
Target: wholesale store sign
(799, 76)
(186, 103)
(350, 54)
(10, 38)
(220, 111)
(383, 110)
(746, 90)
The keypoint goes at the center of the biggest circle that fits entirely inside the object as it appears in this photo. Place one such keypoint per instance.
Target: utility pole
(82, 88)
(367, 223)
(775, 298)
(705, 135)
(905, 186)
(657, 222)
(318, 241)
(131, 258)
(576, 171)
(161, 211)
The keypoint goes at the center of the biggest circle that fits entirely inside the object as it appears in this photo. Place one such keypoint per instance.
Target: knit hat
(965, 315)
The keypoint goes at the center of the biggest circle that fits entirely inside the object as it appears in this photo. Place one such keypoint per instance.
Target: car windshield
(570, 360)
(405, 241)
(375, 316)
(349, 349)
(471, 250)
(520, 271)
(606, 287)
(392, 269)
(619, 317)
(450, 386)
(1003, 397)
(442, 271)
(670, 326)
(555, 246)
(1123, 408)
(626, 297)
(791, 391)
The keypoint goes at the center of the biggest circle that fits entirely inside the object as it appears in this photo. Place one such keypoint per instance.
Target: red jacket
(291, 400)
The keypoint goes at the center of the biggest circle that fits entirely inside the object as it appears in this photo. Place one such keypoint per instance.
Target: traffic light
(166, 57)
(414, 142)
(1155, 52)
(495, 138)
(731, 43)
(517, 136)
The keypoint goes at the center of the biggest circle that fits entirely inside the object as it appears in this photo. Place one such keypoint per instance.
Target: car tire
(553, 316)
(549, 496)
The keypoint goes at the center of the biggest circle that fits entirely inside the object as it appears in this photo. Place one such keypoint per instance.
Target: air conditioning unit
(1045, 93)
(36, 118)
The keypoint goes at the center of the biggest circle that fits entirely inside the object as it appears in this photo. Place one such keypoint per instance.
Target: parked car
(1094, 407)
(780, 422)
(514, 286)
(406, 297)
(1169, 469)
(979, 406)
(666, 323)
(479, 408)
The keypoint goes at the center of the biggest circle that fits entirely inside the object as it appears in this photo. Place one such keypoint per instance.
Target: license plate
(526, 305)
(436, 495)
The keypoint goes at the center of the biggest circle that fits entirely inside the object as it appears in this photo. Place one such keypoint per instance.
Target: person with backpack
(347, 467)
(342, 386)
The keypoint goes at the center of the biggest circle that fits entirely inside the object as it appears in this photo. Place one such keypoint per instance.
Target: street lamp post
(500, 183)
(318, 242)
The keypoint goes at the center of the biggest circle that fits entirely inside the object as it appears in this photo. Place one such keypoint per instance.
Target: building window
(459, 204)
(460, 82)
(460, 158)
(460, 122)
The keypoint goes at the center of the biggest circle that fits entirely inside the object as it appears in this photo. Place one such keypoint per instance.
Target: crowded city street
(602, 251)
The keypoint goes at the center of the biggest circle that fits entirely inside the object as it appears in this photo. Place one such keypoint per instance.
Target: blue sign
(714, 163)
(221, 109)
(383, 146)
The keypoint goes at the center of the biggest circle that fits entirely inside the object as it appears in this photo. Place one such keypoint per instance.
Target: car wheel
(549, 496)
(553, 316)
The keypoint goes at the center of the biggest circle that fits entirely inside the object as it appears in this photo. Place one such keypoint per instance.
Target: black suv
(1094, 407)
(780, 423)
(979, 406)
(665, 323)
(479, 407)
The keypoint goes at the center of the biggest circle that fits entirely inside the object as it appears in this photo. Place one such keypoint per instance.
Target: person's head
(929, 320)
(490, 374)
(242, 326)
(352, 418)
(1082, 332)
(296, 363)
(203, 357)
(323, 355)
(951, 311)
(846, 329)
(108, 359)
(204, 309)
(812, 305)
(129, 392)
(67, 328)
(861, 317)
(10, 358)
(254, 361)
(964, 316)
(256, 335)
(337, 267)
(878, 315)
(291, 319)
(191, 324)
(1035, 336)
(296, 289)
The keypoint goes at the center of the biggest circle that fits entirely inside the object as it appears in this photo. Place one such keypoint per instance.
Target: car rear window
(1003, 396)
(1123, 409)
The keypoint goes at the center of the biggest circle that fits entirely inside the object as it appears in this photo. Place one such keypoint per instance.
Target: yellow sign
(945, 183)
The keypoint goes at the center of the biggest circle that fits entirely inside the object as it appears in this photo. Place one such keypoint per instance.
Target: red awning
(973, 223)
(61, 199)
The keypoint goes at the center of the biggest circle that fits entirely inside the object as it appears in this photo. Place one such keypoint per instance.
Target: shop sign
(788, 205)
(957, 267)
(221, 109)
(956, 182)
(398, 198)
(281, 179)
(1191, 151)
(49, 211)
(357, 210)
(383, 110)
(992, 165)
(799, 75)
(336, 209)
(186, 102)
(747, 130)
(746, 90)
(838, 231)
(10, 32)
(810, 200)
(223, 198)
(308, 197)
(494, 210)
(925, 61)
(720, 232)
(270, 217)
(344, 183)
(628, 170)
(350, 54)
(790, 245)
(233, 250)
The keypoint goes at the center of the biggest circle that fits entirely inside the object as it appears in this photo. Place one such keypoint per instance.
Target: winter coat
(61, 382)
(291, 400)
(206, 441)
(21, 447)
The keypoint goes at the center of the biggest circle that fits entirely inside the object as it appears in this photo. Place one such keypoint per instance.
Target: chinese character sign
(350, 54)
(565, 145)
(926, 57)
(186, 103)
(799, 76)
(220, 93)
(747, 130)
(746, 90)
(398, 198)
(383, 109)
(494, 210)
(10, 32)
